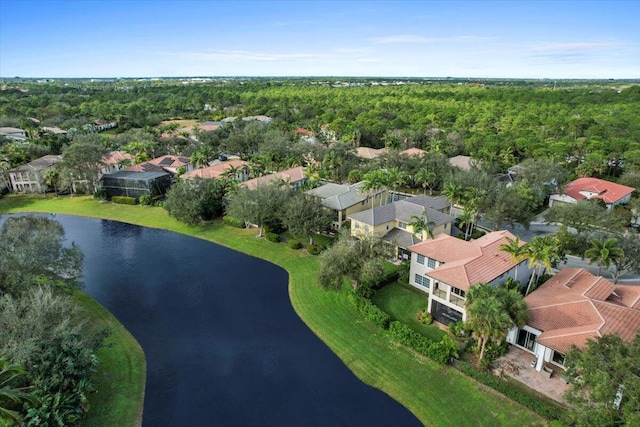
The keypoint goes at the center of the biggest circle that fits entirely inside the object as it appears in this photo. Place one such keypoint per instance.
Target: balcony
(456, 300)
(440, 293)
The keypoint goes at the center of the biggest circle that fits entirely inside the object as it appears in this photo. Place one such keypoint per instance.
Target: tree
(422, 223)
(604, 382)
(304, 216)
(262, 206)
(81, 164)
(453, 192)
(372, 182)
(542, 253)
(357, 259)
(581, 216)
(51, 179)
(603, 253)
(394, 178)
(426, 179)
(517, 251)
(467, 220)
(32, 250)
(195, 200)
(511, 204)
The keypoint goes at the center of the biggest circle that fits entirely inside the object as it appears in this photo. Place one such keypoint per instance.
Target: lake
(224, 346)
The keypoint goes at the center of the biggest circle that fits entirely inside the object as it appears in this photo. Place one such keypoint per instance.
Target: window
(458, 292)
(445, 226)
(558, 358)
(402, 225)
(356, 225)
(423, 281)
(421, 259)
(526, 339)
(418, 279)
(431, 263)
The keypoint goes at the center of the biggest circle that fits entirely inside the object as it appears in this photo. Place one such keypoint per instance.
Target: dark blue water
(223, 344)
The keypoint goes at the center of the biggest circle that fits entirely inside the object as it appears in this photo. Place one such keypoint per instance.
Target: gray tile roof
(403, 210)
(401, 238)
(339, 197)
(40, 164)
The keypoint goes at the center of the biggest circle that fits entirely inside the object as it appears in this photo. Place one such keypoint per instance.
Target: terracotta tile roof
(609, 192)
(413, 152)
(467, 263)
(575, 305)
(369, 153)
(170, 161)
(292, 175)
(215, 171)
(116, 157)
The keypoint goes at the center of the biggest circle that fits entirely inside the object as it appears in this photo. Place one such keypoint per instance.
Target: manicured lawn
(403, 303)
(438, 395)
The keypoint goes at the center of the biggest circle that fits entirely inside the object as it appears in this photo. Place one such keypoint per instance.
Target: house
(294, 177)
(115, 161)
(345, 200)
(168, 163)
(369, 153)
(29, 178)
(54, 130)
(102, 125)
(135, 184)
(219, 170)
(209, 126)
(462, 162)
(610, 193)
(447, 267)
(13, 133)
(413, 152)
(393, 222)
(572, 307)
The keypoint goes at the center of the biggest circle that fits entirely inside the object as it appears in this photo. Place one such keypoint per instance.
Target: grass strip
(438, 395)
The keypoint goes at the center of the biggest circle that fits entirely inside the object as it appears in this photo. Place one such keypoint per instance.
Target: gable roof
(403, 210)
(467, 263)
(609, 192)
(38, 165)
(339, 197)
(115, 157)
(575, 305)
(292, 175)
(214, 171)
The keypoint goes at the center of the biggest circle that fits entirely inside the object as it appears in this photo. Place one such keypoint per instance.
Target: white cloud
(408, 38)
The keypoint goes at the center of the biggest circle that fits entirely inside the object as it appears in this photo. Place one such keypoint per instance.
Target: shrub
(370, 311)
(440, 351)
(145, 200)
(233, 222)
(517, 392)
(294, 244)
(124, 200)
(458, 329)
(424, 317)
(272, 237)
(493, 351)
(100, 194)
(314, 249)
(159, 203)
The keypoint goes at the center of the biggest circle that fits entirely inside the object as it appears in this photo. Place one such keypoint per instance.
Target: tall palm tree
(395, 178)
(542, 253)
(516, 249)
(603, 253)
(426, 179)
(467, 219)
(372, 182)
(422, 223)
(199, 158)
(488, 320)
(453, 192)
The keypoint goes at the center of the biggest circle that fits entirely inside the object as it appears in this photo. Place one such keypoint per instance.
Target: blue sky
(517, 39)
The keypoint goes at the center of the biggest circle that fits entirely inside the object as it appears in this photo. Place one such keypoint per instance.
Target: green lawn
(438, 395)
(403, 303)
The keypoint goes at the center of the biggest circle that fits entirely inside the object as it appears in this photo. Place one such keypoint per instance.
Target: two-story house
(345, 200)
(572, 307)
(395, 223)
(29, 178)
(446, 267)
(610, 193)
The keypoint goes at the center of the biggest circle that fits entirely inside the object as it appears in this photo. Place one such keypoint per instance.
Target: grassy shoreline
(437, 395)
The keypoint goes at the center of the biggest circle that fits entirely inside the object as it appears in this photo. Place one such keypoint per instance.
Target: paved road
(542, 229)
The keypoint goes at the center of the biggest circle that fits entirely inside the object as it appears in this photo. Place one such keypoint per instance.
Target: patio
(517, 364)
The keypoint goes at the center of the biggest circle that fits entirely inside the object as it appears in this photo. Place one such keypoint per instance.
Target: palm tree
(421, 224)
(488, 320)
(541, 252)
(371, 182)
(232, 172)
(199, 159)
(395, 178)
(517, 249)
(453, 193)
(603, 253)
(467, 219)
(426, 179)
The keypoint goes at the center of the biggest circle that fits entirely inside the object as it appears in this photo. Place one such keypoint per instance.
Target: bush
(457, 329)
(492, 352)
(294, 244)
(370, 311)
(145, 200)
(441, 351)
(233, 222)
(124, 200)
(424, 317)
(272, 237)
(100, 194)
(314, 249)
(159, 203)
(517, 392)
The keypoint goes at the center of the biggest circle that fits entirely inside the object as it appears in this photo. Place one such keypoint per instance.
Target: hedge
(124, 200)
(441, 351)
(370, 311)
(294, 244)
(539, 405)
